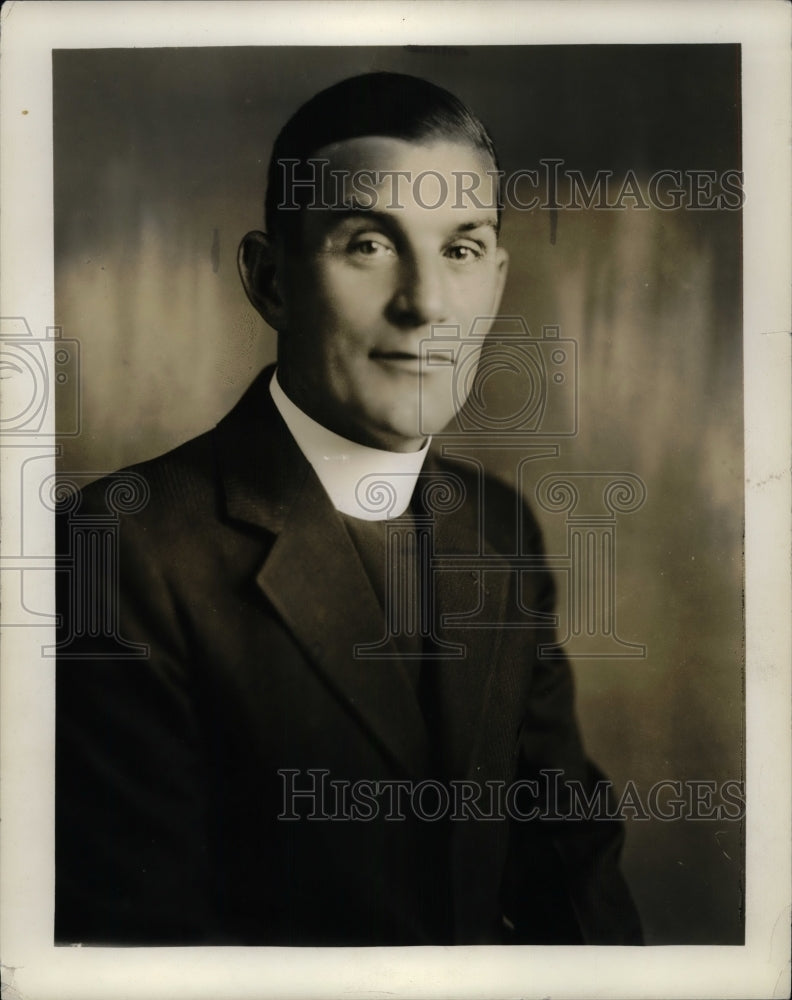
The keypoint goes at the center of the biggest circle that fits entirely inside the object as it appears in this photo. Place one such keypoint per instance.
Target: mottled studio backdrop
(160, 157)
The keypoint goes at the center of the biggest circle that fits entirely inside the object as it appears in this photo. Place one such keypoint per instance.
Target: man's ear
(259, 268)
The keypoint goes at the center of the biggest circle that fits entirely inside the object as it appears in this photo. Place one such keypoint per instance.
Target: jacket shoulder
(166, 491)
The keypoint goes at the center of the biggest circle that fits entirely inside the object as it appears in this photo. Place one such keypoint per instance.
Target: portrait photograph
(396, 524)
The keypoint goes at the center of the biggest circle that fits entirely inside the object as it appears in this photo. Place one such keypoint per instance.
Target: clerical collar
(367, 483)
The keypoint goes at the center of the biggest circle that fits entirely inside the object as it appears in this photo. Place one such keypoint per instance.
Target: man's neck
(372, 484)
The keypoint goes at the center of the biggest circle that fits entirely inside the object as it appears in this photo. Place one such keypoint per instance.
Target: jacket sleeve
(133, 843)
(563, 884)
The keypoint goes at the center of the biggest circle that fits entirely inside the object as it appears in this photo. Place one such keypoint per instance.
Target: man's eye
(464, 252)
(371, 248)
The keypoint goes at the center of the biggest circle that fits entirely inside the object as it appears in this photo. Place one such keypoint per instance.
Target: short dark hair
(392, 105)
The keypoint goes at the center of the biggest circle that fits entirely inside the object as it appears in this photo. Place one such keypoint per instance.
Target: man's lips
(410, 359)
(404, 361)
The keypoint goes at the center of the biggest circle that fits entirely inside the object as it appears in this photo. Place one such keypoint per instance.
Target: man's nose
(421, 296)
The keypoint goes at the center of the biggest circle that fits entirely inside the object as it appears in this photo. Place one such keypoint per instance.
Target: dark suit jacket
(242, 581)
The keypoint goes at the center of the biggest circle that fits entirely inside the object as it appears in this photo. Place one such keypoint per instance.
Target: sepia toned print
(605, 393)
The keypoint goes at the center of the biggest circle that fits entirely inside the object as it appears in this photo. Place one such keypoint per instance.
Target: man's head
(383, 216)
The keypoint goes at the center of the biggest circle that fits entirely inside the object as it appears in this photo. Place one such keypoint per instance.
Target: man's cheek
(438, 400)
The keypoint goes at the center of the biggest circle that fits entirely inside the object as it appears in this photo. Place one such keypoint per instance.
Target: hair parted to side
(391, 105)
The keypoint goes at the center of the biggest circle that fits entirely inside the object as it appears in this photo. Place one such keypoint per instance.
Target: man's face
(369, 281)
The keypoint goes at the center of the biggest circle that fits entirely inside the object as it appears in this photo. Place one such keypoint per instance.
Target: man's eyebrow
(336, 218)
(355, 210)
(466, 227)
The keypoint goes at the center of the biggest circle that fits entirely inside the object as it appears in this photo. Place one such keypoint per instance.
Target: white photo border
(34, 969)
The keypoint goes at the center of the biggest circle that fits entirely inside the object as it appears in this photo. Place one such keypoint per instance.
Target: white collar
(367, 483)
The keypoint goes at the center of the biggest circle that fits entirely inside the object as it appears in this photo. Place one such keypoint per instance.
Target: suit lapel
(313, 575)
(315, 579)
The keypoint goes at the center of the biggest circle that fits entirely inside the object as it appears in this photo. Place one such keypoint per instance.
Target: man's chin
(404, 428)
(398, 440)
(393, 435)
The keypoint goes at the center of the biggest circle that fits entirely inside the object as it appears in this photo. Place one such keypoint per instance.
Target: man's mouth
(404, 361)
(396, 355)
(411, 361)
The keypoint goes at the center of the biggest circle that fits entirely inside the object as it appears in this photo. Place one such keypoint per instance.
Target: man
(261, 775)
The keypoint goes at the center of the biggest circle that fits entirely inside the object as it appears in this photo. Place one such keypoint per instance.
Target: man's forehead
(376, 152)
(387, 174)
